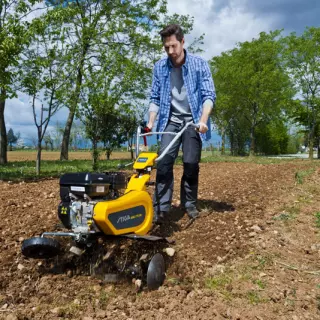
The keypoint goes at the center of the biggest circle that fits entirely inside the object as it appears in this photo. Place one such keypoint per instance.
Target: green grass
(302, 174)
(261, 284)
(26, 170)
(317, 215)
(218, 282)
(288, 213)
(253, 297)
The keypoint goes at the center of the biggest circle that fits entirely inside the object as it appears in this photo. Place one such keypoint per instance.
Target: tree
(40, 79)
(130, 124)
(253, 85)
(303, 61)
(272, 138)
(14, 36)
(11, 138)
(48, 141)
(95, 31)
(112, 134)
(90, 27)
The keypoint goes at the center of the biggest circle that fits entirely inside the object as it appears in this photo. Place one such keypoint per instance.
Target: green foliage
(154, 148)
(302, 59)
(259, 98)
(14, 36)
(272, 138)
(11, 137)
(15, 33)
(40, 78)
(295, 142)
(109, 48)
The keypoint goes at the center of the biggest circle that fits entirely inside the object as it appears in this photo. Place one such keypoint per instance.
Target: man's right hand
(146, 129)
(152, 119)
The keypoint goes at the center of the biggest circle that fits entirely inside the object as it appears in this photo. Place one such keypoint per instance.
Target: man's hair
(170, 30)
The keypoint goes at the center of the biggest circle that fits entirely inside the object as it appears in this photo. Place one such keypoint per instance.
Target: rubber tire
(40, 248)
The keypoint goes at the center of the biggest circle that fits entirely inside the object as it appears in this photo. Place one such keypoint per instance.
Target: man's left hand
(203, 128)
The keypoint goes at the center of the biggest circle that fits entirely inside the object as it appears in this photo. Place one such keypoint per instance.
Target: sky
(224, 23)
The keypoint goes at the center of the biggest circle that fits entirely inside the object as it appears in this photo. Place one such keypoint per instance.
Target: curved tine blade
(156, 272)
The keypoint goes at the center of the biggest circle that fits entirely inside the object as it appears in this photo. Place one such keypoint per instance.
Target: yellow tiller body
(132, 212)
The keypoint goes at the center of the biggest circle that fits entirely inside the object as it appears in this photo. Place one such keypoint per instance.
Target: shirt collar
(185, 65)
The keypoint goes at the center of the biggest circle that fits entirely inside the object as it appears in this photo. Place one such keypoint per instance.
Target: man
(182, 91)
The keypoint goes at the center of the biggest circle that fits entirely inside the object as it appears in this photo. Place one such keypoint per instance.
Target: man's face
(174, 48)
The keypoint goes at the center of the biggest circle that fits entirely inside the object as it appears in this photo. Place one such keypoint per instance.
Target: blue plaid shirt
(199, 86)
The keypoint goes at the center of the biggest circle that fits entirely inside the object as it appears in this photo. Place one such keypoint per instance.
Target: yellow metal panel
(145, 159)
(130, 200)
(138, 183)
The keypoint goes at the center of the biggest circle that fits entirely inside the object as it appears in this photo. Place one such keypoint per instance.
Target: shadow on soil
(174, 224)
(212, 205)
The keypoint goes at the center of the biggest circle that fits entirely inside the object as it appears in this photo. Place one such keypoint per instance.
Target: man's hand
(152, 119)
(203, 128)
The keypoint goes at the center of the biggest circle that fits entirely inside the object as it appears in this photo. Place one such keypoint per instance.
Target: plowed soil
(254, 253)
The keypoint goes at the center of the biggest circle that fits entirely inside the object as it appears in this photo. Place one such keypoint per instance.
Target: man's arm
(153, 112)
(206, 111)
(208, 95)
(154, 99)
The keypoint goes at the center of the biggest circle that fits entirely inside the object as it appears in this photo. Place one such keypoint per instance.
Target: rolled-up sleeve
(155, 88)
(207, 86)
(153, 108)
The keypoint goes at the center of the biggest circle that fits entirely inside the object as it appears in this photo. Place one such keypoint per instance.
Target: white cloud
(224, 22)
(223, 28)
(19, 116)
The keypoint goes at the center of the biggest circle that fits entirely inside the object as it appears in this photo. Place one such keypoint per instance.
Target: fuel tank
(130, 213)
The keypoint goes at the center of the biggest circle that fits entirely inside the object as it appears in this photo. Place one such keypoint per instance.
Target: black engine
(79, 192)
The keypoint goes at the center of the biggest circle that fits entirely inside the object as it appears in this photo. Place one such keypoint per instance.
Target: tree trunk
(3, 131)
(95, 155)
(311, 142)
(64, 155)
(38, 161)
(252, 142)
(223, 142)
(108, 154)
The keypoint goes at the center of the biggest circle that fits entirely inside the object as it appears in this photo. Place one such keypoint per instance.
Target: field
(55, 155)
(254, 253)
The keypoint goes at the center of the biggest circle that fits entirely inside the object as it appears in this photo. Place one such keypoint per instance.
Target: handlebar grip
(145, 130)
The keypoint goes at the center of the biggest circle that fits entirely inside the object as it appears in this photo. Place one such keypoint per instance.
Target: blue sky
(224, 22)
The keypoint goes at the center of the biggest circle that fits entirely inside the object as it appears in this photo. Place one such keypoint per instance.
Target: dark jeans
(191, 148)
